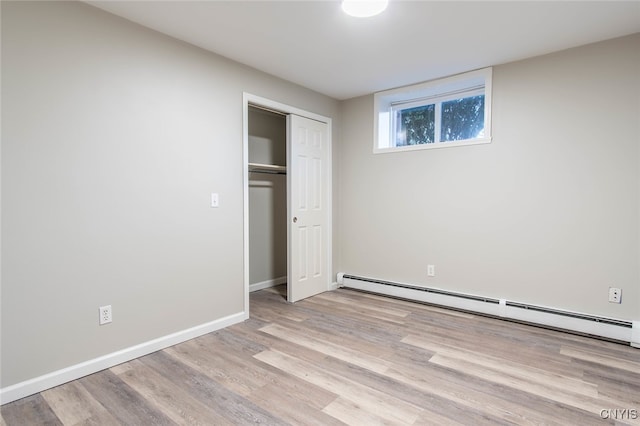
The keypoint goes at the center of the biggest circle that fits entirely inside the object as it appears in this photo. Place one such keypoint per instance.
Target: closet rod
(268, 172)
(267, 168)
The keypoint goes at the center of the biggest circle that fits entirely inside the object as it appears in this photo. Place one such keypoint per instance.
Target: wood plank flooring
(345, 357)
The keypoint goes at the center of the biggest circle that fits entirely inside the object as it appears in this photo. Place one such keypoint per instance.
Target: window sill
(452, 144)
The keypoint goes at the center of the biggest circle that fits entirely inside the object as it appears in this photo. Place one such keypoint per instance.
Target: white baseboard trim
(334, 286)
(56, 378)
(268, 283)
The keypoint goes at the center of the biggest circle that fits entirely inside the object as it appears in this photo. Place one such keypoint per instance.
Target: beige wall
(548, 213)
(113, 138)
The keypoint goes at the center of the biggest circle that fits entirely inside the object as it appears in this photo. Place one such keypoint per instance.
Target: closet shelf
(267, 168)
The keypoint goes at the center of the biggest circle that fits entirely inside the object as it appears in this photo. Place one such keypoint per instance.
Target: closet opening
(267, 168)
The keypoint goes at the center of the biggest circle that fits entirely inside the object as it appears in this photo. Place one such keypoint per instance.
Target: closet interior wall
(267, 200)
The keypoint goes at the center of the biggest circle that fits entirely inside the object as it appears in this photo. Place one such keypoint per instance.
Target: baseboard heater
(609, 328)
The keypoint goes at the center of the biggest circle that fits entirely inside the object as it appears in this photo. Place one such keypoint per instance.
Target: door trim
(250, 99)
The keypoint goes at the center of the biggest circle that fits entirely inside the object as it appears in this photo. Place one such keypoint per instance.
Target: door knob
(295, 219)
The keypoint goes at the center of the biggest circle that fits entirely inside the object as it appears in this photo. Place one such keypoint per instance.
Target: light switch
(215, 201)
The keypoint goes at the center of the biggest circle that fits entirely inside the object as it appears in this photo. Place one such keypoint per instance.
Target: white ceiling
(314, 44)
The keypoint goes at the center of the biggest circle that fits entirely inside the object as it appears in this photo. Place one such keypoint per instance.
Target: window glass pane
(415, 126)
(462, 119)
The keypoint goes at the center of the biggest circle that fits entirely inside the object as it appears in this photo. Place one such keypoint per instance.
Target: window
(452, 111)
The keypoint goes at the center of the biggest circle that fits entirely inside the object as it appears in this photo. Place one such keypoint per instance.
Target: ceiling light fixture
(364, 8)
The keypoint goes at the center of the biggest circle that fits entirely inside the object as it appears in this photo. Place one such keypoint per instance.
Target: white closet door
(308, 216)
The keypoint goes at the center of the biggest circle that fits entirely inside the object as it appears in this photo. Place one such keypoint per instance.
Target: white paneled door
(308, 215)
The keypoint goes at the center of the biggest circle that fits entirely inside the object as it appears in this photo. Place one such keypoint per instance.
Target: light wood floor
(360, 359)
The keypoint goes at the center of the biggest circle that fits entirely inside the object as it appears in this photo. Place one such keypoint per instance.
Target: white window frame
(435, 92)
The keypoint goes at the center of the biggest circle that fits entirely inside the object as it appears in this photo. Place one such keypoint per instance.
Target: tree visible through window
(416, 125)
(462, 119)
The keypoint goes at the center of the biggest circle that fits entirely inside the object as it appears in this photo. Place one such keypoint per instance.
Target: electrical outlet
(615, 295)
(105, 314)
(431, 270)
